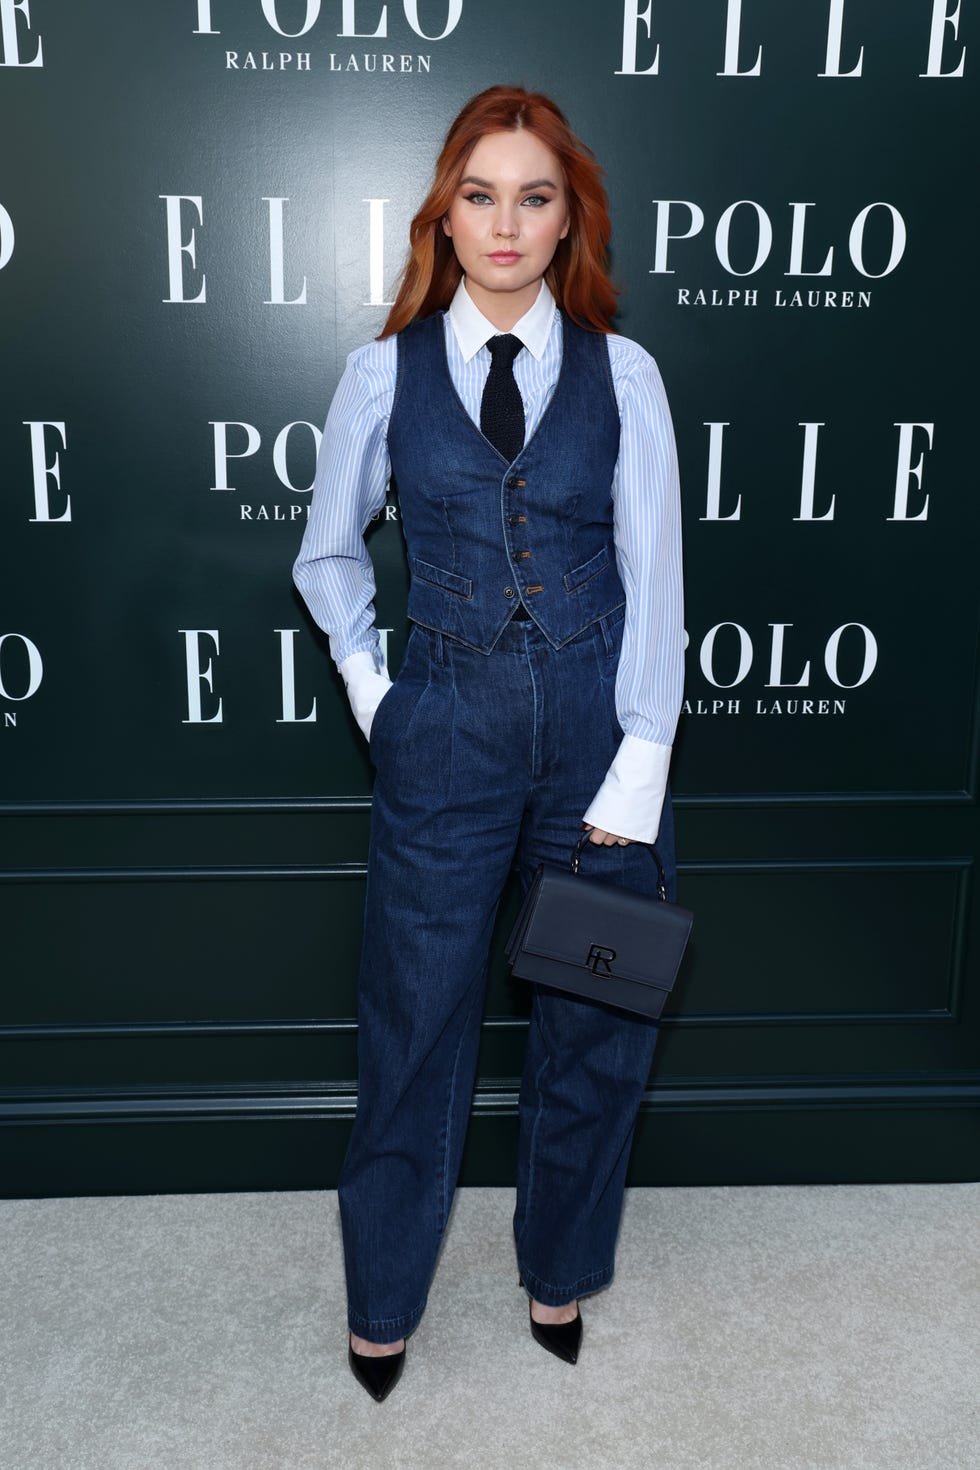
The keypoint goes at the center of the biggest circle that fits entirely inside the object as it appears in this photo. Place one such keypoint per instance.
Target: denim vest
(482, 533)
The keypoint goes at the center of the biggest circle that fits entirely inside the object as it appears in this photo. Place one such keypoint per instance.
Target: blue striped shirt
(335, 575)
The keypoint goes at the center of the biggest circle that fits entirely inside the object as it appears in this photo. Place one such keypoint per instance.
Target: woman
(534, 461)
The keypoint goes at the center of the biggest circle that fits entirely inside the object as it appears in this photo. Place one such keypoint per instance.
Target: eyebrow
(522, 188)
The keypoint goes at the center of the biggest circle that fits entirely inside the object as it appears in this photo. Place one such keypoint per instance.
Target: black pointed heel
(377, 1375)
(561, 1338)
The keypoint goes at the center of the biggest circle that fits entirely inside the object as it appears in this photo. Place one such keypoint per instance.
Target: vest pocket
(438, 577)
(580, 575)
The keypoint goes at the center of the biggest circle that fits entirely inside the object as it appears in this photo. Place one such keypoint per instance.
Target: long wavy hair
(578, 275)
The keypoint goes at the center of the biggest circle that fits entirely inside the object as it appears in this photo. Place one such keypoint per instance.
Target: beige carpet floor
(763, 1328)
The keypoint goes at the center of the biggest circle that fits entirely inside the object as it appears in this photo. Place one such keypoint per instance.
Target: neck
(503, 308)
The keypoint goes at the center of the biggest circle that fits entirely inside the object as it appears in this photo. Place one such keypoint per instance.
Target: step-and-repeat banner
(203, 207)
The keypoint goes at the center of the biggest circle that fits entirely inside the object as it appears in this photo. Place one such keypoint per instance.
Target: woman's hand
(605, 839)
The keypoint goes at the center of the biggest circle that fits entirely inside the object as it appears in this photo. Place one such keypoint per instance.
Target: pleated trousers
(481, 759)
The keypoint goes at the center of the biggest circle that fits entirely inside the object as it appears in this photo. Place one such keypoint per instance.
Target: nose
(505, 224)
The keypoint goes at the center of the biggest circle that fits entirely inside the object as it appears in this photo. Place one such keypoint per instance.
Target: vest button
(516, 483)
(509, 592)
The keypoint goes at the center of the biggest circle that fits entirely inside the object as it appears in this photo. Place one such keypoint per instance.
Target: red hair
(578, 275)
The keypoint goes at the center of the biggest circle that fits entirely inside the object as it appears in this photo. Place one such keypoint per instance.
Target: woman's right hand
(366, 688)
(372, 696)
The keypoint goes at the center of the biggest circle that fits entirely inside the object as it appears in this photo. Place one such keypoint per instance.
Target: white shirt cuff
(631, 798)
(366, 686)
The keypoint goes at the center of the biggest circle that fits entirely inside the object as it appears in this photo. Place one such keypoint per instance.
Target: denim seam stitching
(536, 772)
(574, 587)
(586, 625)
(538, 1112)
(604, 1274)
(449, 1113)
(390, 1321)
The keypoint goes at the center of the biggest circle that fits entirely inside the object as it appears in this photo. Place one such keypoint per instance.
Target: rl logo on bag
(597, 956)
(552, 941)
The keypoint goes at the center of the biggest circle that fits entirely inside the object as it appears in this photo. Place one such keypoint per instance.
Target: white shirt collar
(473, 330)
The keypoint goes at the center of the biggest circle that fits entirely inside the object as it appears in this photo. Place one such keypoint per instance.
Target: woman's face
(509, 213)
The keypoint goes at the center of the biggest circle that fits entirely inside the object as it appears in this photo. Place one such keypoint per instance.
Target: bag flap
(606, 929)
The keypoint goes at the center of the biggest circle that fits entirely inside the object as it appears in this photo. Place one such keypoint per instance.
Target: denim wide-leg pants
(479, 758)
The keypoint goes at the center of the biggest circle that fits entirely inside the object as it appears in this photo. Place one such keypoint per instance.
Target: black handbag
(598, 940)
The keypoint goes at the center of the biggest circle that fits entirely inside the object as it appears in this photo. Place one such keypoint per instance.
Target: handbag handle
(661, 875)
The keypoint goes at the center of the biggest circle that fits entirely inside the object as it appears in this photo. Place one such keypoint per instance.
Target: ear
(566, 227)
(447, 228)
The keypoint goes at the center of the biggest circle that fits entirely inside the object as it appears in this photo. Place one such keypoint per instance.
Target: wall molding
(960, 866)
(199, 873)
(148, 806)
(691, 867)
(493, 1097)
(316, 805)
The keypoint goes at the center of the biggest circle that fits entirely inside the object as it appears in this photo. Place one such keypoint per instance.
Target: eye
(537, 200)
(478, 197)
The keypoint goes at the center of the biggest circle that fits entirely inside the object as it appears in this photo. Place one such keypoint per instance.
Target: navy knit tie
(502, 408)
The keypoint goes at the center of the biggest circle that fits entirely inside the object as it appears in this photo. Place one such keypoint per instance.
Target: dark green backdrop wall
(203, 205)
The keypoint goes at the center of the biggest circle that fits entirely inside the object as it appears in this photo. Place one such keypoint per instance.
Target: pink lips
(505, 257)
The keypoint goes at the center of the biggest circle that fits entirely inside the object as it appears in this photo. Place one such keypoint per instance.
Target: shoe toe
(561, 1338)
(377, 1375)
